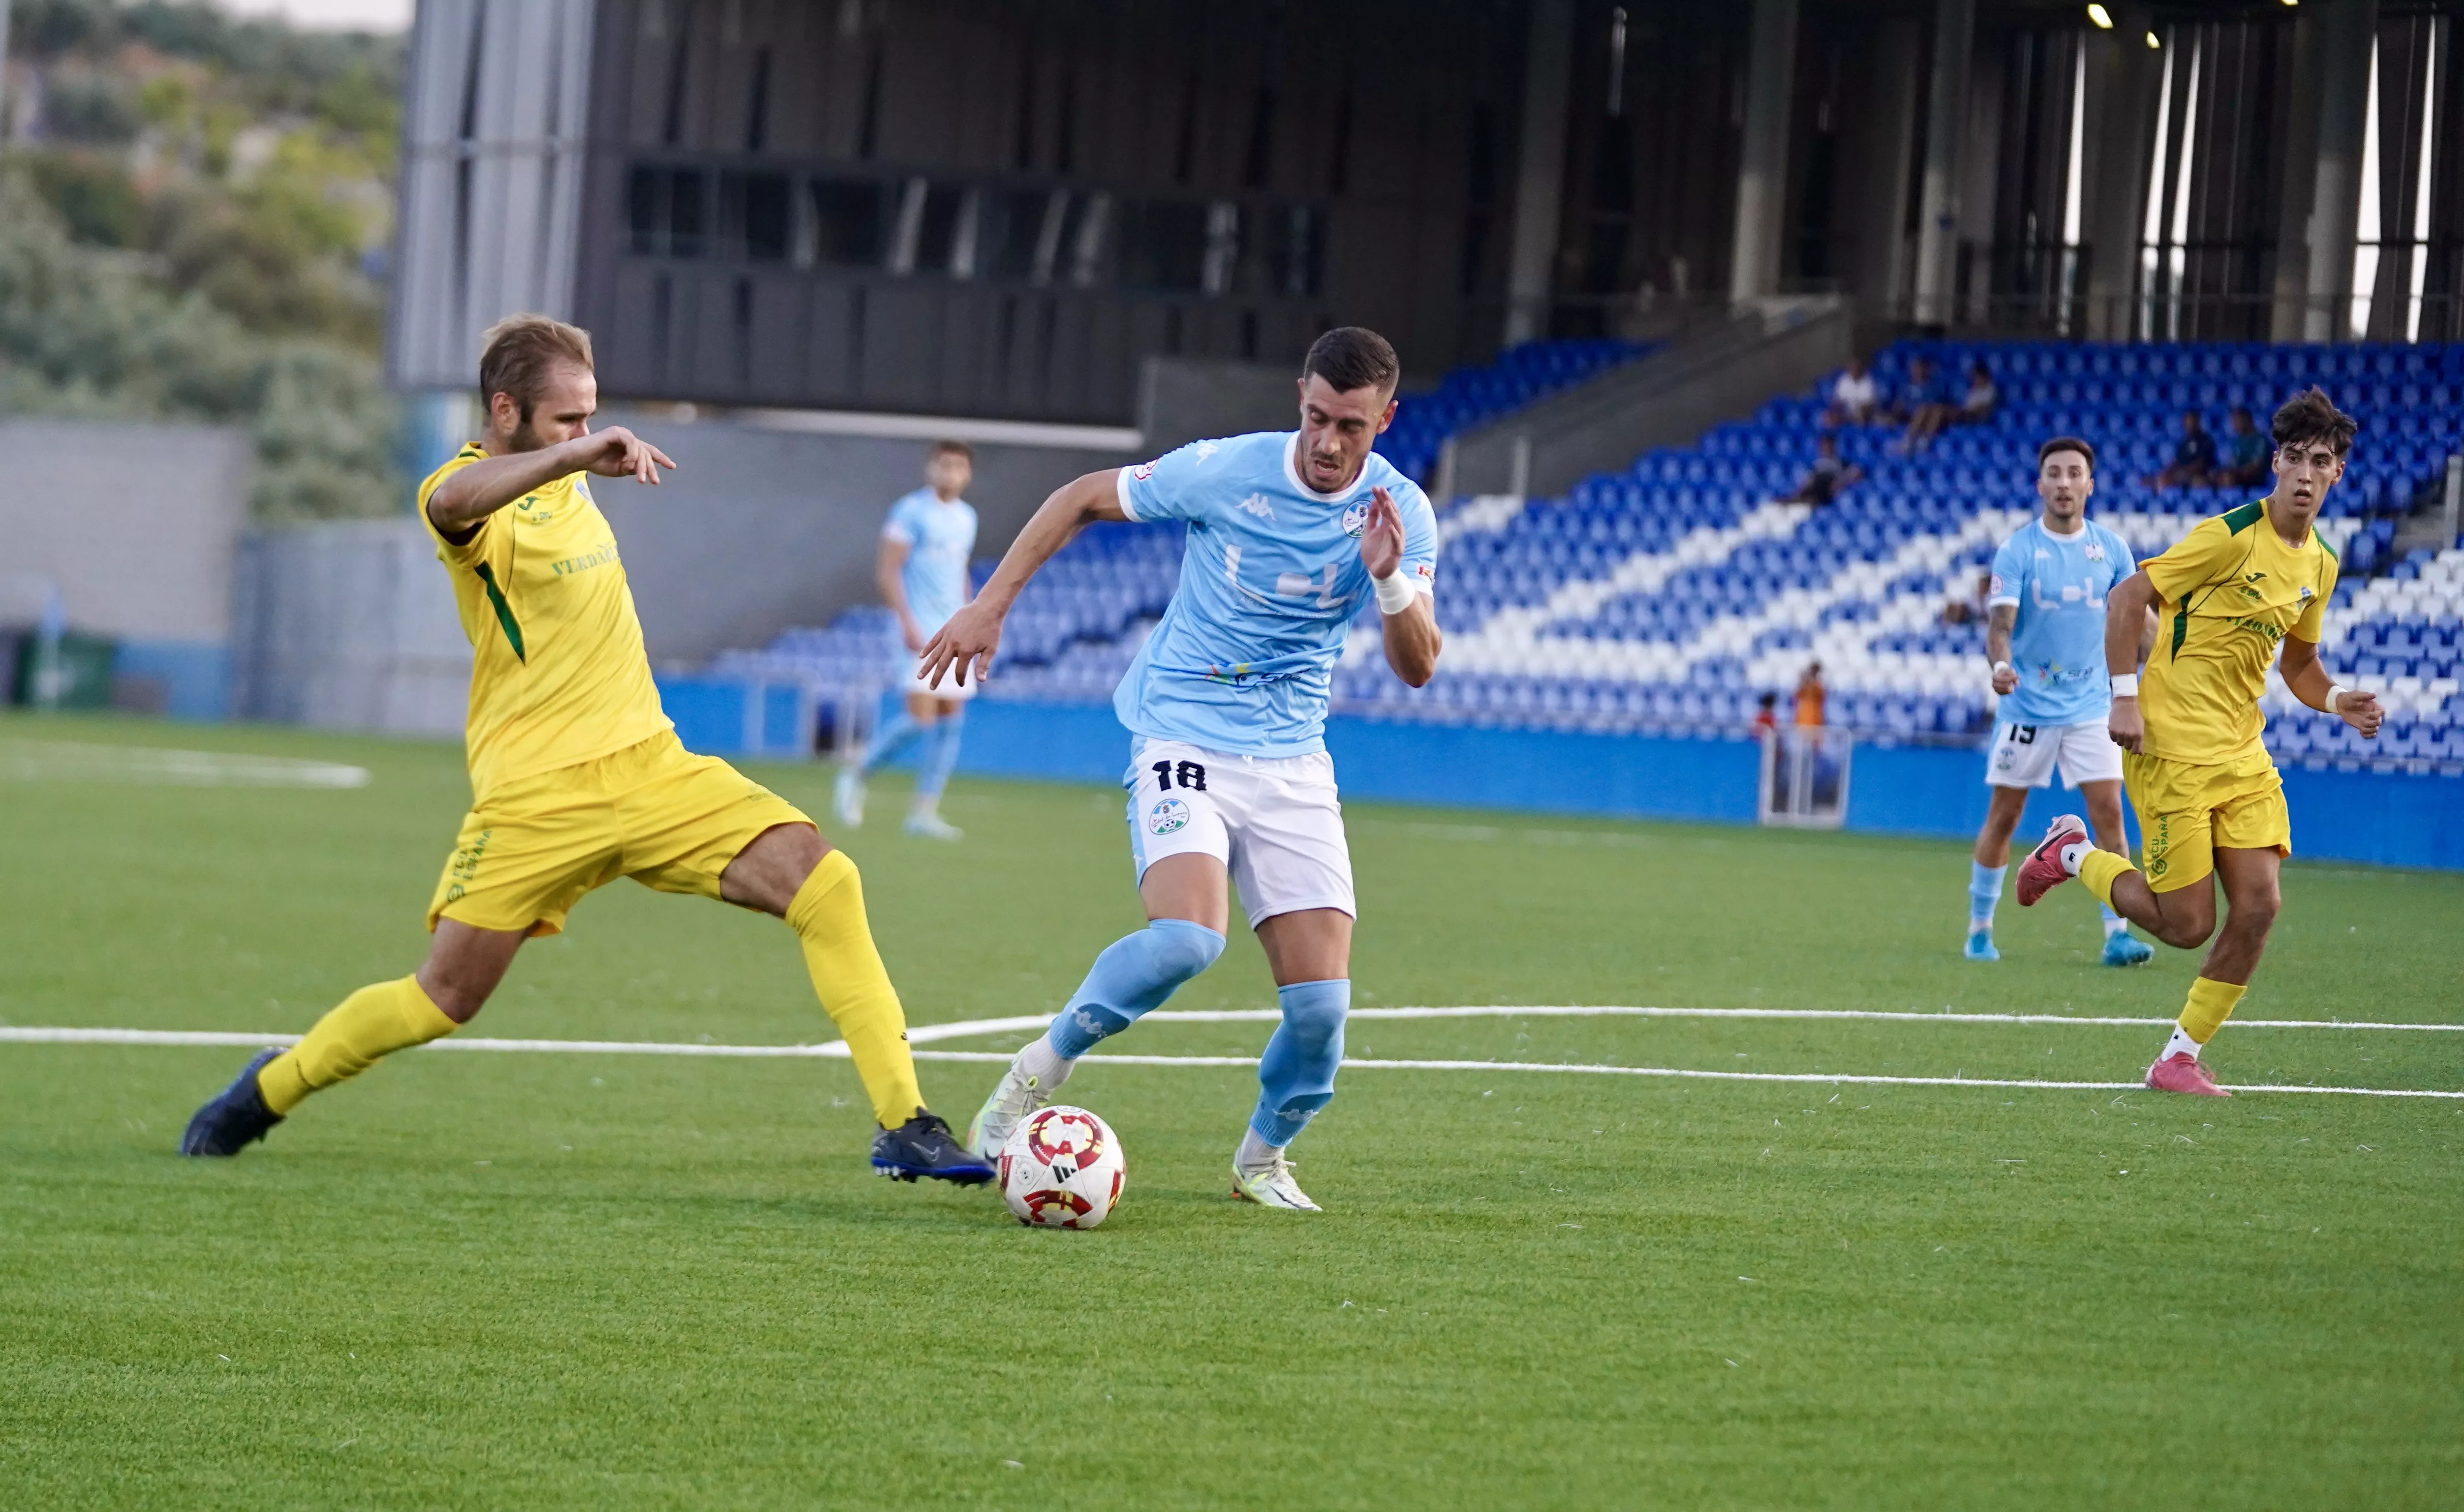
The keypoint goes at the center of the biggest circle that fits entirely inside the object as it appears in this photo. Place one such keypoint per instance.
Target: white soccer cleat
(1018, 1093)
(932, 826)
(846, 798)
(1272, 1186)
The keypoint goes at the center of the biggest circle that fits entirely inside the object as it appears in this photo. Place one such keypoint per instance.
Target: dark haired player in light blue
(922, 573)
(1290, 535)
(2045, 636)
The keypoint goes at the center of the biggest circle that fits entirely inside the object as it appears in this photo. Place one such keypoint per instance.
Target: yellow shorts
(2186, 812)
(653, 812)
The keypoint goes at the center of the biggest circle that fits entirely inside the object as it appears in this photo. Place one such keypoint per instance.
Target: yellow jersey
(2227, 594)
(559, 675)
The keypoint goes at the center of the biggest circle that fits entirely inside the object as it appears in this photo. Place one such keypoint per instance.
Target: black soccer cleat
(236, 1118)
(924, 1147)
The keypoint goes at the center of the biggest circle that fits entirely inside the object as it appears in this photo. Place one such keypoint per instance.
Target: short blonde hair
(519, 351)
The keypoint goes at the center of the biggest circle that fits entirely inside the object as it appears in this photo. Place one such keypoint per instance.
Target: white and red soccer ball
(1061, 1169)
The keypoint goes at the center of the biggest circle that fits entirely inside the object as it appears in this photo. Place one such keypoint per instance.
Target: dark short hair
(1352, 357)
(2066, 443)
(952, 449)
(2310, 415)
(518, 352)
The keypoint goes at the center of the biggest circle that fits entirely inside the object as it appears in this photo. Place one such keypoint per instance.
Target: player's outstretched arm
(966, 643)
(1411, 630)
(2125, 622)
(2311, 684)
(473, 493)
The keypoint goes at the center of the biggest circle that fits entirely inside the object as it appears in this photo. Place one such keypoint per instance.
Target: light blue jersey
(2058, 583)
(1243, 659)
(940, 538)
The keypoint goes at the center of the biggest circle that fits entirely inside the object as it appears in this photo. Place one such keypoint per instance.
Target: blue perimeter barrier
(2380, 818)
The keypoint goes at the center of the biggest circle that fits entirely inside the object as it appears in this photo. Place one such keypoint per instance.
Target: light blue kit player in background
(1292, 539)
(2045, 635)
(922, 574)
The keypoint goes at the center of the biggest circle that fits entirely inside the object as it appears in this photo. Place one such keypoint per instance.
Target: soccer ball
(1061, 1169)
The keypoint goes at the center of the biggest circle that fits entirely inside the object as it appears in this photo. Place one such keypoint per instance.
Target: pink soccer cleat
(2182, 1072)
(2043, 869)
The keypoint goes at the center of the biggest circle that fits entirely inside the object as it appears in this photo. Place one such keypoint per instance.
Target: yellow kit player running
(2208, 798)
(577, 776)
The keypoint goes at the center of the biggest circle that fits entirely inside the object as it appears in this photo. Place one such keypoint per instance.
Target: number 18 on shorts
(1273, 822)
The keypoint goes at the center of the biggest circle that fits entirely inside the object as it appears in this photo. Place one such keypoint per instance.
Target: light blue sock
(1133, 975)
(1984, 892)
(1296, 1075)
(940, 756)
(891, 739)
(2114, 923)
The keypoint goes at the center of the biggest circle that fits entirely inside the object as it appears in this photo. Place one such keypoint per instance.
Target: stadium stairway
(1668, 596)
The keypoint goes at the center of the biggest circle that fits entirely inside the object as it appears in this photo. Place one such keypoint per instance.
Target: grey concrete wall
(758, 529)
(136, 524)
(1188, 399)
(349, 625)
(1669, 398)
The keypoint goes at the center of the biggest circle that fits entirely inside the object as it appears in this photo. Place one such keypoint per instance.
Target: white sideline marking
(926, 1034)
(71, 762)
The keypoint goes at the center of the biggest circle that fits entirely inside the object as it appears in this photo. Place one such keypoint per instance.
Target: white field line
(925, 1034)
(73, 761)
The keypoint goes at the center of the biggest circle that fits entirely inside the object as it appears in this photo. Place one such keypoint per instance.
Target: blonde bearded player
(577, 776)
(2210, 800)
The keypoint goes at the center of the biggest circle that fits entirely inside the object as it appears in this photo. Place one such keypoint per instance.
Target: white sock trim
(2073, 853)
(2180, 1045)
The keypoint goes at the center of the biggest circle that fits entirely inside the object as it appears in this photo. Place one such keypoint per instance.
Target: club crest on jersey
(1169, 817)
(2305, 594)
(1355, 520)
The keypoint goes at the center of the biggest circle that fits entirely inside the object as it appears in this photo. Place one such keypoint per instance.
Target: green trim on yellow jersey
(504, 611)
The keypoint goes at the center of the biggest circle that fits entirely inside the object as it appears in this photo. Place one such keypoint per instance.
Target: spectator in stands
(1809, 698)
(1977, 405)
(1924, 406)
(1767, 715)
(2194, 457)
(1827, 475)
(2246, 453)
(1969, 610)
(1855, 397)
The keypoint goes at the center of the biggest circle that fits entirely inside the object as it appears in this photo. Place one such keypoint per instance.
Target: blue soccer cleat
(236, 1118)
(2123, 949)
(1980, 946)
(924, 1147)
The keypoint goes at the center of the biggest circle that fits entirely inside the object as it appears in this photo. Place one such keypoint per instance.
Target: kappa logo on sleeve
(1143, 471)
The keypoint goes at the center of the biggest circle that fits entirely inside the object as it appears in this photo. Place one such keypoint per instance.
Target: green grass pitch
(610, 1281)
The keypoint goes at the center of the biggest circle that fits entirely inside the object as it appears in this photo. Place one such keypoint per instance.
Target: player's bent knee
(1182, 948)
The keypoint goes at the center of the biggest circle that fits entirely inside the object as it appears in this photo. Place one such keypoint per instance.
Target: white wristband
(2335, 690)
(2125, 684)
(1394, 593)
(1999, 667)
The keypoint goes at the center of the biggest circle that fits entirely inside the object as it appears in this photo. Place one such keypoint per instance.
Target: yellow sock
(2211, 1004)
(2100, 870)
(854, 987)
(370, 1024)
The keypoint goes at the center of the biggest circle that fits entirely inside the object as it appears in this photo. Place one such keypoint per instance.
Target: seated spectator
(1977, 405)
(2246, 453)
(1920, 391)
(1927, 406)
(1827, 475)
(2194, 457)
(1766, 715)
(1855, 397)
(1969, 610)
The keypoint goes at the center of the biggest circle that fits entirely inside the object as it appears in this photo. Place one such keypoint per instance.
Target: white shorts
(951, 686)
(1272, 821)
(2023, 755)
